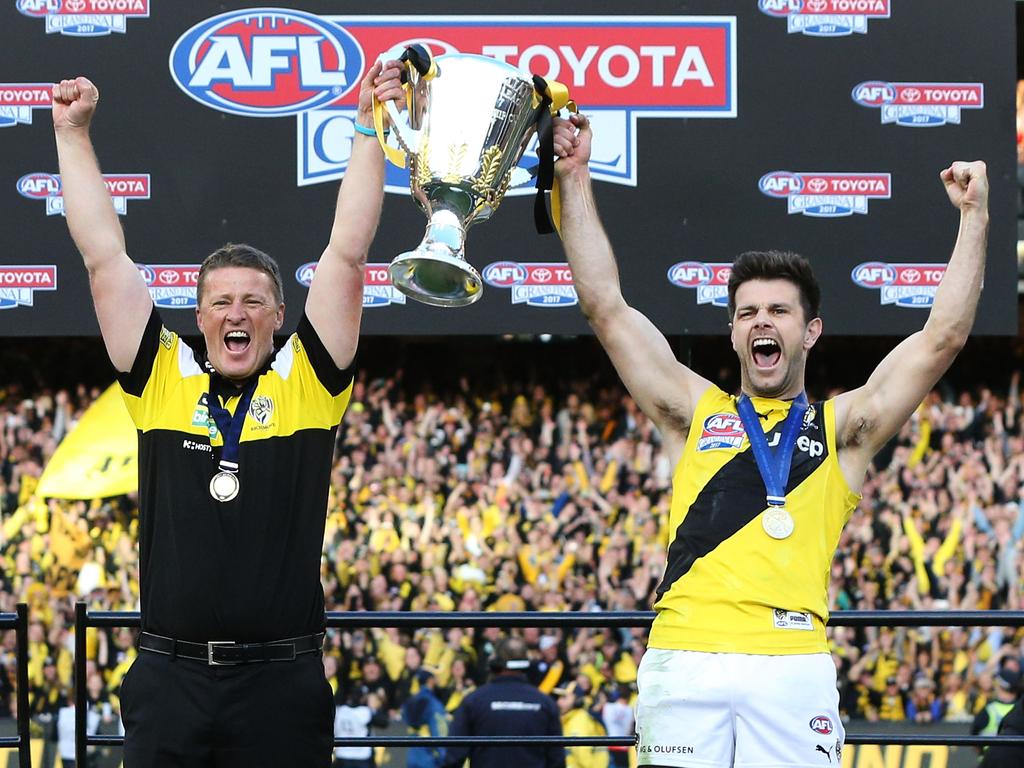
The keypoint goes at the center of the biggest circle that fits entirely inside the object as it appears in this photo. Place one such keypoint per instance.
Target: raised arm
(122, 301)
(665, 389)
(866, 418)
(334, 304)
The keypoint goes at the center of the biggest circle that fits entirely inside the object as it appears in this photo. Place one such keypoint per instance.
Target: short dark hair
(511, 653)
(241, 255)
(777, 265)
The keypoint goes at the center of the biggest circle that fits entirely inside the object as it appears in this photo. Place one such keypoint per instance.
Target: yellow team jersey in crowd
(728, 586)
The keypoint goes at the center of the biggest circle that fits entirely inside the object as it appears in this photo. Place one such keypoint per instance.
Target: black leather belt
(225, 652)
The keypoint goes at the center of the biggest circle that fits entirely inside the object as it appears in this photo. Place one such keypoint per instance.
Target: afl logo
(821, 724)
(689, 274)
(38, 7)
(266, 62)
(147, 273)
(781, 184)
(780, 7)
(726, 424)
(874, 93)
(721, 431)
(873, 274)
(503, 274)
(37, 186)
(304, 274)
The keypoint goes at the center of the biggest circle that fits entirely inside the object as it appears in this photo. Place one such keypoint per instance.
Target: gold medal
(224, 486)
(777, 522)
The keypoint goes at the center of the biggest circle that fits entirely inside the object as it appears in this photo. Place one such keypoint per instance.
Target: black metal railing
(507, 620)
(18, 621)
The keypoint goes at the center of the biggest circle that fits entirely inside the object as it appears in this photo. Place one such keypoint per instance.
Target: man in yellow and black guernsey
(737, 670)
(235, 451)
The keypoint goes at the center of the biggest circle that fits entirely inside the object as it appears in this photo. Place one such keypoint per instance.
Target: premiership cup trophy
(469, 120)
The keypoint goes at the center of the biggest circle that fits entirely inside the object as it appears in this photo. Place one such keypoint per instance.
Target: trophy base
(441, 280)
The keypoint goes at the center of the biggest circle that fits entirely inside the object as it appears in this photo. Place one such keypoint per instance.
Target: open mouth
(767, 352)
(236, 341)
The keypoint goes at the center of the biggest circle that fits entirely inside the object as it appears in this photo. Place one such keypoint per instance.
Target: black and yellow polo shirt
(729, 587)
(246, 570)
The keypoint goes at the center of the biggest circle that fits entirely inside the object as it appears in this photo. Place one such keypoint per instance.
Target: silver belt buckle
(209, 653)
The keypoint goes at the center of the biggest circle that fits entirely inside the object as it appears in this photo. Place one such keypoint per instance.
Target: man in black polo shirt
(508, 705)
(235, 450)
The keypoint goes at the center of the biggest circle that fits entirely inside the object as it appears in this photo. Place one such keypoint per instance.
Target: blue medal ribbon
(230, 426)
(773, 464)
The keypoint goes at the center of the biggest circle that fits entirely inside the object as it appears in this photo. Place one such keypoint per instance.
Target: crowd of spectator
(544, 497)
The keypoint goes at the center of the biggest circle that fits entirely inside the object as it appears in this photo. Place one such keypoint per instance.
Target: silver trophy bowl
(468, 123)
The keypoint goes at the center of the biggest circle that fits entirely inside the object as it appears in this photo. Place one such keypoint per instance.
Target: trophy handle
(419, 65)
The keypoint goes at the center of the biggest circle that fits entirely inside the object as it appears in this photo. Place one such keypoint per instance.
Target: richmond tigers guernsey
(728, 586)
(246, 570)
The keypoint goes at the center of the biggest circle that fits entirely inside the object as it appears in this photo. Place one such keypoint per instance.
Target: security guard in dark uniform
(1012, 724)
(509, 705)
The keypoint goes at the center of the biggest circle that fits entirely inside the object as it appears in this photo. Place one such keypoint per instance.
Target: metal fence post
(81, 691)
(24, 738)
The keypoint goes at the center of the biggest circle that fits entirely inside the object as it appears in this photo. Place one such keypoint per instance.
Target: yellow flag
(99, 457)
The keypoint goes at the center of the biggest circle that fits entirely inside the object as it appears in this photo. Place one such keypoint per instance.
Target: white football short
(718, 710)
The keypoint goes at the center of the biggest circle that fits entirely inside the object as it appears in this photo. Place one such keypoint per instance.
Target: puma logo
(826, 752)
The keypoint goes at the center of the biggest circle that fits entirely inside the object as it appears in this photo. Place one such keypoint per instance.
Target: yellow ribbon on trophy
(416, 57)
(556, 95)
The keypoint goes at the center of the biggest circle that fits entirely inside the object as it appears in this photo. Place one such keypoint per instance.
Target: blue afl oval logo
(266, 62)
(689, 274)
(780, 184)
(147, 273)
(873, 274)
(873, 93)
(304, 274)
(38, 7)
(780, 7)
(502, 274)
(724, 425)
(821, 724)
(36, 186)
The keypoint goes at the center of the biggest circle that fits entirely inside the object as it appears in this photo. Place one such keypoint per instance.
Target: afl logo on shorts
(821, 724)
(721, 430)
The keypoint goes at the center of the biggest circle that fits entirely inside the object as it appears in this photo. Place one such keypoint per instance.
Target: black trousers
(180, 712)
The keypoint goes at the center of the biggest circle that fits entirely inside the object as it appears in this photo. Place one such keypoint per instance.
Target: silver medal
(224, 486)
